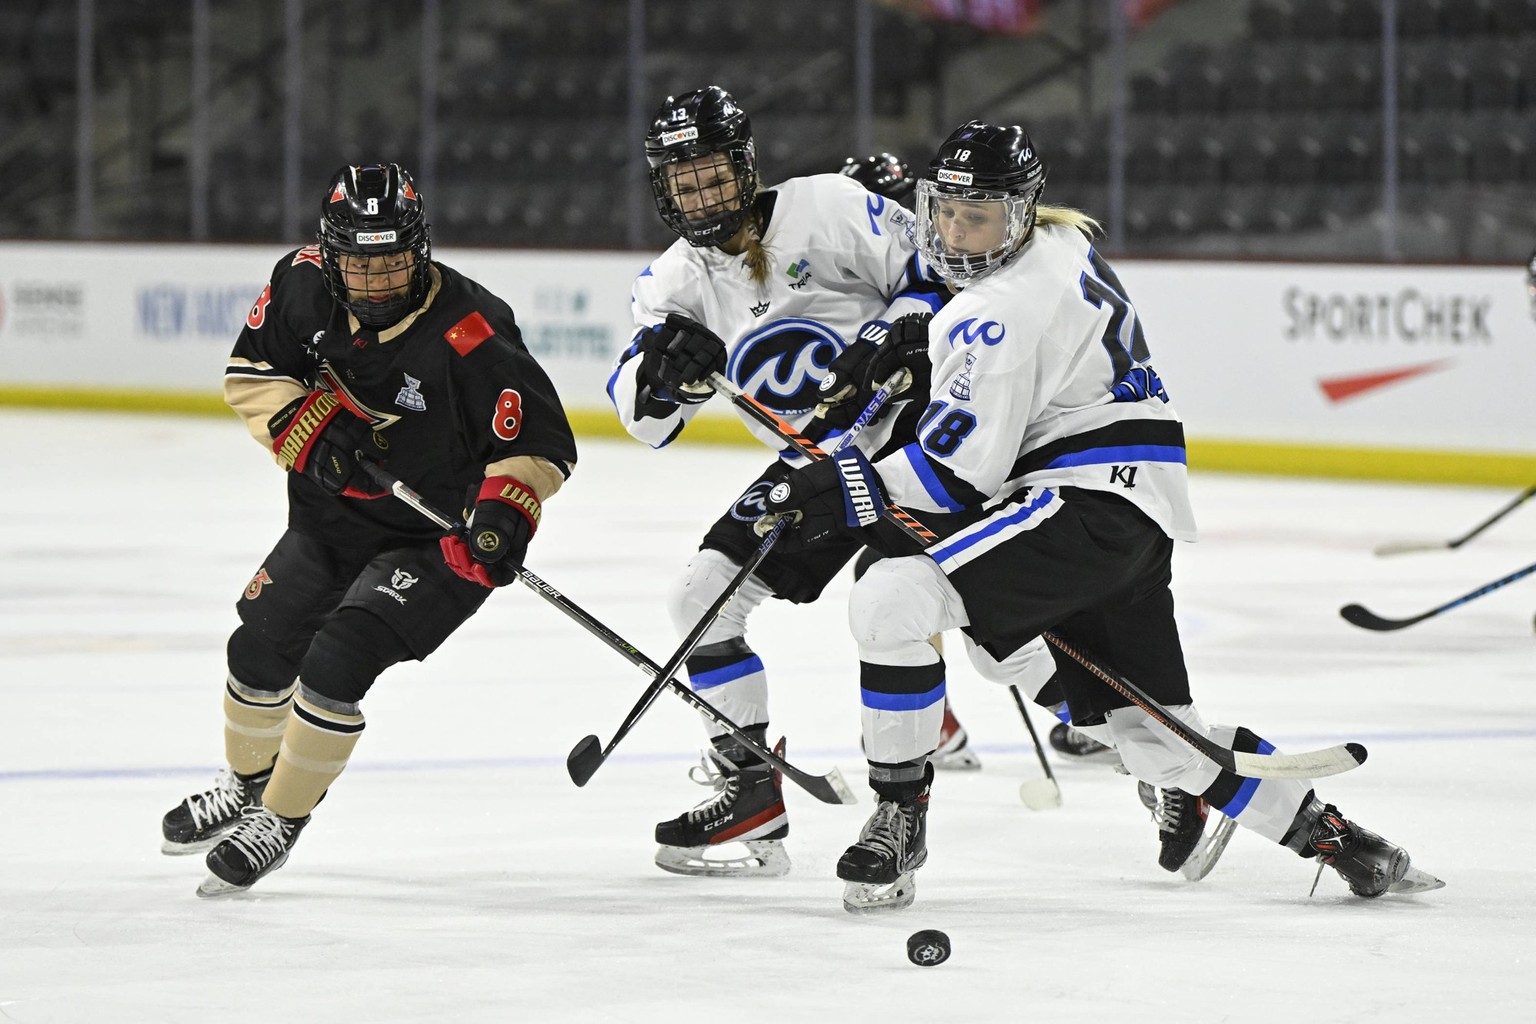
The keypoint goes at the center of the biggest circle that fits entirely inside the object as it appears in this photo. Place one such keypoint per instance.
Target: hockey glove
(319, 438)
(493, 544)
(841, 386)
(836, 496)
(905, 346)
(677, 357)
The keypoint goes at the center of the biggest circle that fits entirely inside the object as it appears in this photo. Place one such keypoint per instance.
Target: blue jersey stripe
(929, 479)
(966, 540)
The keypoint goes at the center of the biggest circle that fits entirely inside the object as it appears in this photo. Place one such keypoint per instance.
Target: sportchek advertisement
(1427, 358)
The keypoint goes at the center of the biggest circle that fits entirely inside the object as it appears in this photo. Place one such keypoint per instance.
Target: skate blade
(1413, 881)
(171, 849)
(764, 858)
(1208, 852)
(872, 897)
(214, 887)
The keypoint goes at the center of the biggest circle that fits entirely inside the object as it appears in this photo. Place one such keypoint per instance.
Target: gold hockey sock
(253, 725)
(316, 746)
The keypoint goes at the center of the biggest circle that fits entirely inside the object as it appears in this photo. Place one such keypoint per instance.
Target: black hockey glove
(317, 436)
(905, 346)
(491, 548)
(840, 388)
(677, 357)
(833, 497)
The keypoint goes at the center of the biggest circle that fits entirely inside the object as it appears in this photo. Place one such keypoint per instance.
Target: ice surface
(454, 873)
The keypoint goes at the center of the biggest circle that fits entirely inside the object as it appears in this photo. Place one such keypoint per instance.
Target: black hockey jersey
(450, 391)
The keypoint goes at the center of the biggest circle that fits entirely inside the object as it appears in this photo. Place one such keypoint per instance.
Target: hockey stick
(1403, 547)
(1038, 794)
(1308, 765)
(830, 788)
(589, 753)
(1358, 615)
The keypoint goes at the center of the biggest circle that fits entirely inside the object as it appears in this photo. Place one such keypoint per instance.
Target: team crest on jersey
(326, 377)
(961, 387)
(969, 332)
(759, 309)
(410, 396)
(781, 363)
(753, 505)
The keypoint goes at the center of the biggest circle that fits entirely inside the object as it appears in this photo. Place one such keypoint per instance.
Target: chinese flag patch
(468, 333)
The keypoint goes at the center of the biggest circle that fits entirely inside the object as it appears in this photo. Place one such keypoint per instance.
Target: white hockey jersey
(1042, 377)
(840, 256)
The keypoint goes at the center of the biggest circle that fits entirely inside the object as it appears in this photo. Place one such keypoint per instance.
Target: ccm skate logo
(681, 135)
(861, 504)
(375, 237)
(956, 177)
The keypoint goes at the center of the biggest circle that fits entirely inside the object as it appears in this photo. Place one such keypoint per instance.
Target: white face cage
(961, 264)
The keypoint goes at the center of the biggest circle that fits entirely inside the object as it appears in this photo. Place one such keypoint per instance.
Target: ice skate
(738, 832)
(1079, 746)
(879, 868)
(201, 820)
(258, 846)
(954, 751)
(1367, 862)
(1180, 820)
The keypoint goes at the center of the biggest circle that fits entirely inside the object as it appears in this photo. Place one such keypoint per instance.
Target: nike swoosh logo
(1339, 388)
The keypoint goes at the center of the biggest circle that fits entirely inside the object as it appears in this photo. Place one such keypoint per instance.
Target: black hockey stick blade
(1359, 615)
(1366, 619)
(584, 759)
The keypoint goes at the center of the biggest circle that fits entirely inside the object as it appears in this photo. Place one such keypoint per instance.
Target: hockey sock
(316, 745)
(253, 725)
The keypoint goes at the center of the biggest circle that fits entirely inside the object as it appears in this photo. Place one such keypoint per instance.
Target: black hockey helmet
(374, 210)
(980, 164)
(883, 174)
(692, 127)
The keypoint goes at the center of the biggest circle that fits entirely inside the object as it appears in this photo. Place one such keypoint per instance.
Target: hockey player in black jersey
(361, 347)
(1051, 463)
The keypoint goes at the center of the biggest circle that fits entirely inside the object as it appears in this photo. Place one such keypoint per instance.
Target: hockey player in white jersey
(1052, 464)
(768, 286)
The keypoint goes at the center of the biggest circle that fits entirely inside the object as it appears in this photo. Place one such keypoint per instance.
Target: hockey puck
(928, 948)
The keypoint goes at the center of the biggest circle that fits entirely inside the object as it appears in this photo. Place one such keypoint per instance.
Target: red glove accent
(456, 554)
(511, 491)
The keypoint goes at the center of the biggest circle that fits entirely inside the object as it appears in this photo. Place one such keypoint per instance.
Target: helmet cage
(961, 268)
(374, 211)
(717, 221)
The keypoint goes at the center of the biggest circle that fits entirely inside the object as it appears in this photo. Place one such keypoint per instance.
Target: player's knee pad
(898, 602)
(348, 654)
(1153, 754)
(257, 664)
(708, 573)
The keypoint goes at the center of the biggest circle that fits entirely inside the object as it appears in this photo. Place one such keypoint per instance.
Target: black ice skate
(201, 820)
(879, 868)
(258, 846)
(1079, 746)
(954, 751)
(1180, 820)
(1369, 863)
(747, 809)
